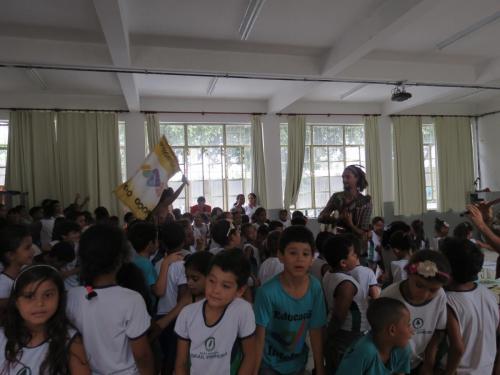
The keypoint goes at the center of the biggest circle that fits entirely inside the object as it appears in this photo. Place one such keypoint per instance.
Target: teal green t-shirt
(147, 269)
(287, 321)
(363, 358)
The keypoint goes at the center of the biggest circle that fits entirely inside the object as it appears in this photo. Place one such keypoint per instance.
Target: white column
(135, 140)
(272, 156)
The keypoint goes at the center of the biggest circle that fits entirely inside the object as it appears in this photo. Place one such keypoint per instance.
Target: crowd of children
(225, 293)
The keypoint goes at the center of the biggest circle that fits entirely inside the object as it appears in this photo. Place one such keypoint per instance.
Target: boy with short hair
(289, 306)
(209, 330)
(344, 295)
(385, 350)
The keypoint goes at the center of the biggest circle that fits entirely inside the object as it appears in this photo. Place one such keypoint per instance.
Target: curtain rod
(328, 114)
(471, 116)
(66, 110)
(206, 113)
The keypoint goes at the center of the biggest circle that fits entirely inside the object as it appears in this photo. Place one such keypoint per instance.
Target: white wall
(489, 151)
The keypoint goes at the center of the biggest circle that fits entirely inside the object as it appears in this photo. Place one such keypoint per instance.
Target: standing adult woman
(354, 209)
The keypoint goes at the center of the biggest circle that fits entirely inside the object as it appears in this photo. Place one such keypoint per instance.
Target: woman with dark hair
(353, 208)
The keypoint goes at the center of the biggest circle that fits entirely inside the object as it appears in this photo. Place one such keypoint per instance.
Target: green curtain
(373, 167)
(296, 150)
(31, 156)
(455, 161)
(258, 162)
(153, 130)
(89, 159)
(409, 178)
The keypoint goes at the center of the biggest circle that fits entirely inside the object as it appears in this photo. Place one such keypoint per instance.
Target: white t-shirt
(477, 314)
(365, 278)
(356, 318)
(425, 319)
(108, 322)
(249, 211)
(46, 231)
(377, 241)
(270, 268)
(216, 250)
(316, 267)
(398, 270)
(6, 283)
(176, 276)
(30, 359)
(211, 346)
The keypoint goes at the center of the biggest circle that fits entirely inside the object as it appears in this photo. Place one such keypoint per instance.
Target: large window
(215, 158)
(4, 139)
(329, 149)
(430, 167)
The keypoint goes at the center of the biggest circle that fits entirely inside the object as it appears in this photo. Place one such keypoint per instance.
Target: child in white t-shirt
(16, 251)
(423, 295)
(113, 320)
(216, 334)
(272, 265)
(402, 246)
(472, 312)
(365, 276)
(346, 303)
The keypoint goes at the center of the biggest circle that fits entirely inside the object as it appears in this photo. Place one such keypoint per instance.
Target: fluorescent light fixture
(247, 23)
(36, 78)
(211, 85)
(352, 91)
(469, 30)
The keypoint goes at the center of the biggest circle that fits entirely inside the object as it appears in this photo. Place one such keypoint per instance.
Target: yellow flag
(141, 193)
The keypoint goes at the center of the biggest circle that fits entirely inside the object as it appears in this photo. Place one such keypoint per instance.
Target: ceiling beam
(113, 24)
(360, 39)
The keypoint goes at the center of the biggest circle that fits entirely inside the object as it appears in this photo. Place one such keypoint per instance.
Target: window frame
(186, 195)
(433, 182)
(4, 147)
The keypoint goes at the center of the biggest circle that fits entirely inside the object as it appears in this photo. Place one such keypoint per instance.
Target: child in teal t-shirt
(385, 350)
(289, 306)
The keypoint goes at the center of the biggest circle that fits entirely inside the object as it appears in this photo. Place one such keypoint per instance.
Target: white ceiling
(359, 40)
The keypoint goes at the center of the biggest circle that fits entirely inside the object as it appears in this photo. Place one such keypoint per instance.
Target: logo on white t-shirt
(210, 344)
(418, 323)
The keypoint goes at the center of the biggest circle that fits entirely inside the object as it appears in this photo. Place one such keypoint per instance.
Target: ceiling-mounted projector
(399, 94)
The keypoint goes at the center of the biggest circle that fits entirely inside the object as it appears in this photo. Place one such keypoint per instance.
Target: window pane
(354, 135)
(327, 135)
(199, 135)
(335, 185)
(3, 157)
(212, 163)
(4, 134)
(283, 134)
(234, 163)
(173, 133)
(195, 164)
(352, 154)
(336, 153)
(237, 135)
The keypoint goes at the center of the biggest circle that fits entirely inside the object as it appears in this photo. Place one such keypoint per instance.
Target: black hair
(438, 259)
(263, 230)
(102, 250)
(402, 241)
(418, 228)
(296, 233)
(63, 252)
(101, 214)
(201, 199)
(131, 277)
(18, 335)
(258, 211)
(219, 231)
(233, 261)
(173, 236)
(199, 262)
(34, 210)
(462, 230)
(336, 249)
(253, 195)
(297, 214)
(11, 236)
(283, 210)
(384, 311)
(245, 227)
(129, 217)
(88, 217)
(321, 238)
(49, 207)
(392, 228)
(140, 234)
(177, 213)
(362, 182)
(299, 220)
(245, 219)
(273, 242)
(275, 224)
(465, 258)
(62, 227)
(376, 219)
(439, 224)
